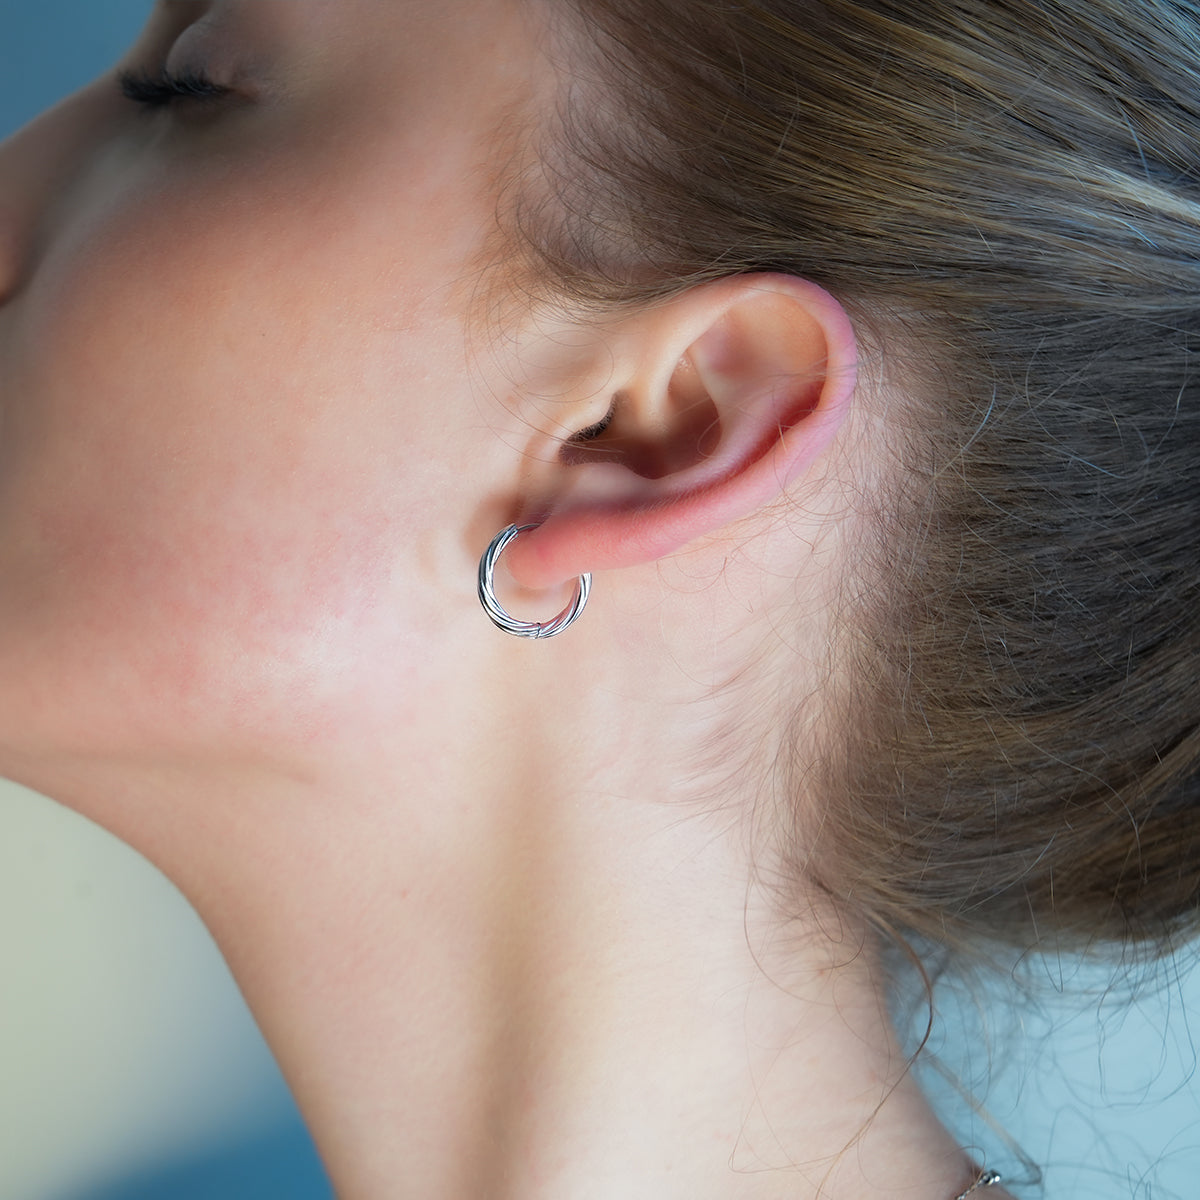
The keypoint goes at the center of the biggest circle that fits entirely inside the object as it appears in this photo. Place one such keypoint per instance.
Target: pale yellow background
(122, 1037)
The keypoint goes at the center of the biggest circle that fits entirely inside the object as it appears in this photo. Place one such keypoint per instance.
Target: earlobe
(723, 400)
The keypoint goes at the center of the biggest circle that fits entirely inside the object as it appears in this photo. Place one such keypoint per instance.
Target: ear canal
(680, 433)
(587, 444)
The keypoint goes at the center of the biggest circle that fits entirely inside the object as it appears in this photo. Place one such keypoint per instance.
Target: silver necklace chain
(985, 1180)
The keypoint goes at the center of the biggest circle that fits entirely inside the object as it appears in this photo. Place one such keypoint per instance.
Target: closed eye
(163, 89)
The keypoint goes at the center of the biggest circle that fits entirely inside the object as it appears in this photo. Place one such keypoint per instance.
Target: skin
(496, 905)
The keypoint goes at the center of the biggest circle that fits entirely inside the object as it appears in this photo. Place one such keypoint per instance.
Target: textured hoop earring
(495, 610)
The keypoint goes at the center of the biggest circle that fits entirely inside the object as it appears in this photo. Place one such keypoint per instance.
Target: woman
(846, 348)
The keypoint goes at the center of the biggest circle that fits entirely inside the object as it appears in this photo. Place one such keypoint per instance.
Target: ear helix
(495, 610)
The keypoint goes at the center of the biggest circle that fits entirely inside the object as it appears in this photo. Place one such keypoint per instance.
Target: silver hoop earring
(494, 609)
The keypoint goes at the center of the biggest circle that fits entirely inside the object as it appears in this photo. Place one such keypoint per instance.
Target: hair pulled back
(1011, 190)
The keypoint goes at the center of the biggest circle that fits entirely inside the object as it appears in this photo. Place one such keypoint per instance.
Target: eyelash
(163, 89)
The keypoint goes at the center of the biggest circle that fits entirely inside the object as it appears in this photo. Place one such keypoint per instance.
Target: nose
(36, 167)
(8, 256)
(10, 236)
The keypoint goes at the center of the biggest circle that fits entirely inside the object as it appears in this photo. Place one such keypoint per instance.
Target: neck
(576, 995)
(531, 969)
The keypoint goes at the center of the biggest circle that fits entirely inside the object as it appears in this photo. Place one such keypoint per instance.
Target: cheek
(212, 477)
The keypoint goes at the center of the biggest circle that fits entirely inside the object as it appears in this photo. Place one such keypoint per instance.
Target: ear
(722, 398)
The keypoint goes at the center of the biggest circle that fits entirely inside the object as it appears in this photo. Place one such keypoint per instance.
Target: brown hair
(1013, 188)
